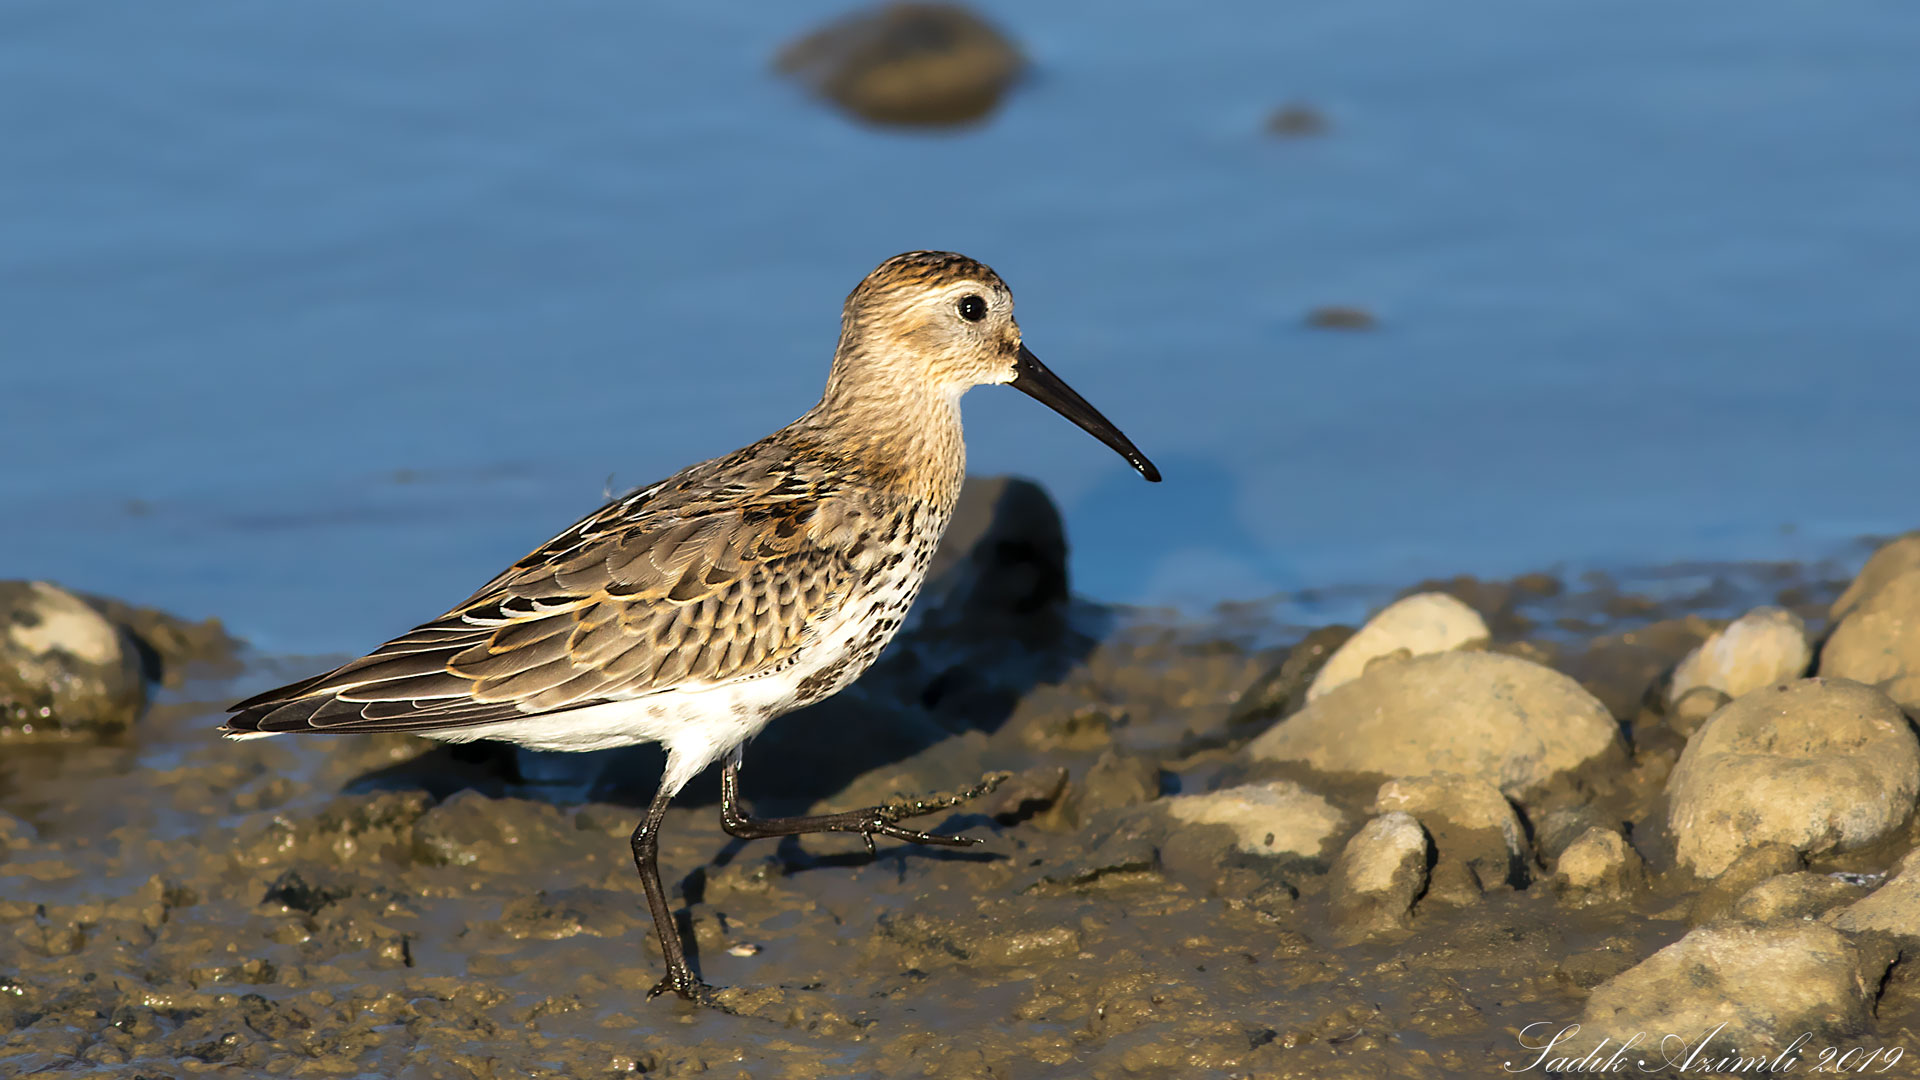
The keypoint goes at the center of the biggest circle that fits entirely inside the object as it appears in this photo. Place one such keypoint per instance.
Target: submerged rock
(1821, 765)
(1765, 646)
(65, 669)
(1417, 625)
(1478, 838)
(1600, 867)
(1756, 988)
(923, 65)
(1296, 120)
(1878, 643)
(1508, 721)
(1378, 876)
(1275, 818)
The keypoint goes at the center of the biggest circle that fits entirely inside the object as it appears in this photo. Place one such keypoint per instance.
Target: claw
(689, 989)
(902, 808)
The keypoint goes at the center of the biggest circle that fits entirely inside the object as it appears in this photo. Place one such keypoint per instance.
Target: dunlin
(694, 611)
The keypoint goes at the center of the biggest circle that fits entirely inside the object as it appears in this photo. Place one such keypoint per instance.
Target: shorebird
(694, 611)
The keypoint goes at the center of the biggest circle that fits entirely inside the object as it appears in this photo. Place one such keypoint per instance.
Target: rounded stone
(1765, 646)
(1819, 765)
(1470, 822)
(1600, 866)
(1878, 643)
(1420, 624)
(1378, 875)
(1508, 721)
(1894, 558)
(65, 669)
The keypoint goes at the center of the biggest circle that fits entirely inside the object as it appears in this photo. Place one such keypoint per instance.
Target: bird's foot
(883, 820)
(690, 988)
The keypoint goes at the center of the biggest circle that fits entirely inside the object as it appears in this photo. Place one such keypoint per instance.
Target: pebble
(1599, 867)
(1378, 875)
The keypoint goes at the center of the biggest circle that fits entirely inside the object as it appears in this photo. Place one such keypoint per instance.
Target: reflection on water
(315, 317)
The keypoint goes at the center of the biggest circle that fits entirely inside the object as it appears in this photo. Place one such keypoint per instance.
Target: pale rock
(1894, 558)
(1378, 876)
(1765, 646)
(1508, 721)
(1818, 764)
(1893, 908)
(1417, 625)
(1600, 867)
(1278, 817)
(1761, 985)
(1878, 643)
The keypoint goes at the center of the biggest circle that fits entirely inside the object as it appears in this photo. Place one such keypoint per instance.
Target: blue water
(313, 316)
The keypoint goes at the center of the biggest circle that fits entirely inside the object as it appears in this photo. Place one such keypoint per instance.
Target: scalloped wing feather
(722, 573)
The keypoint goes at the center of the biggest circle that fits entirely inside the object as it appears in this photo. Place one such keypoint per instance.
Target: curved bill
(1032, 378)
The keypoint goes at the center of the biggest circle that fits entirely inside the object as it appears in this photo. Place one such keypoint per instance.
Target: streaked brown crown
(923, 269)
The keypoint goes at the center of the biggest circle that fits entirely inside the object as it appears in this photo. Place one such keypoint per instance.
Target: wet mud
(175, 905)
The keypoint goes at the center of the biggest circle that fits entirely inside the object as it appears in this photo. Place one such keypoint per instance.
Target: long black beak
(1031, 377)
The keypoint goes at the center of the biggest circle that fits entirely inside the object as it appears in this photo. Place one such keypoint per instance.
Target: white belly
(698, 724)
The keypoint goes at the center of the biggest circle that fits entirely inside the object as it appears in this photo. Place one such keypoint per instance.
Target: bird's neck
(904, 434)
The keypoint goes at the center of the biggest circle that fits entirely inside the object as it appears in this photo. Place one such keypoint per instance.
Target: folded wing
(650, 593)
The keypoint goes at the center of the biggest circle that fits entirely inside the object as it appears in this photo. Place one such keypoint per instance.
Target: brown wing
(719, 574)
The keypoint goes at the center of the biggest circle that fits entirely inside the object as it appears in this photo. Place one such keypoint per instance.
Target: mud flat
(1676, 805)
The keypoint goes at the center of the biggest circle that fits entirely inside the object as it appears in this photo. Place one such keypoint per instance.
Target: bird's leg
(646, 846)
(870, 822)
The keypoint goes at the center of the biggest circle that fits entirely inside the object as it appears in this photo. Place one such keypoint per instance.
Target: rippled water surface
(312, 317)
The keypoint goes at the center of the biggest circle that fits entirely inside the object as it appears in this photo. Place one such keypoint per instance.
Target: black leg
(646, 846)
(870, 822)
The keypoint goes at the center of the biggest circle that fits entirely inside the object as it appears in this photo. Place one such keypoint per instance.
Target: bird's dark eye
(972, 308)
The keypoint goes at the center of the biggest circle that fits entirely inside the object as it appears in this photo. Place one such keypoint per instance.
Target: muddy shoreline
(174, 905)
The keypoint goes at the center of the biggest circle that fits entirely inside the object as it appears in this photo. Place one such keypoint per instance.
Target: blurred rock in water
(912, 65)
(65, 669)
